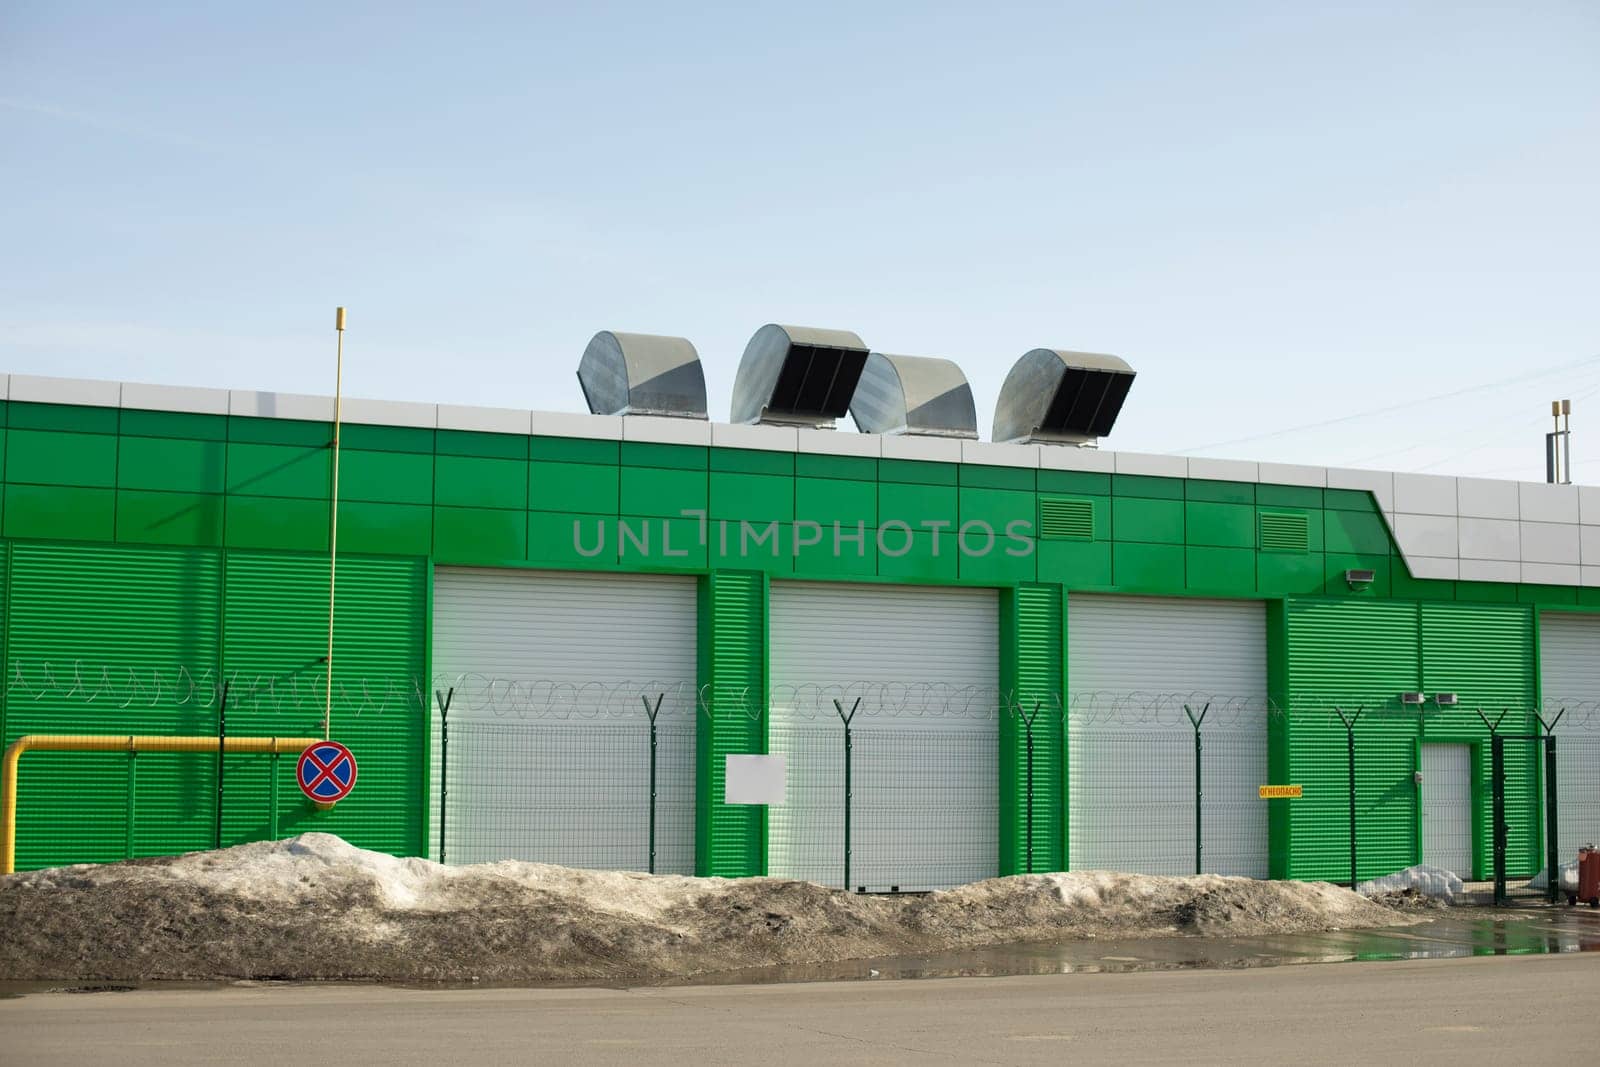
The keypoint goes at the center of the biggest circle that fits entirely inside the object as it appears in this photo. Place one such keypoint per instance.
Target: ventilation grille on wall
(1066, 519)
(1285, 532)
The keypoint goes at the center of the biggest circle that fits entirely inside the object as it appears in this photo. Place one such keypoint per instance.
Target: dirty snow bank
(314, 906)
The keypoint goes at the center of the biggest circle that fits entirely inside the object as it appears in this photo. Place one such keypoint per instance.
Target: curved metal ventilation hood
(642, 374)
(914, 395)
(1053, 396)
(797, 376)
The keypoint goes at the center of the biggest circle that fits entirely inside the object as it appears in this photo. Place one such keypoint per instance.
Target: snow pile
(316, 907)
(1569, 878)
(1433, 882)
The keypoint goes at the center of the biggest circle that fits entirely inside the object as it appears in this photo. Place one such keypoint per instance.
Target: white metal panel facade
(1447, 808)
(549, 742)
(1133, 663)
(1569, 660)
(924, 662)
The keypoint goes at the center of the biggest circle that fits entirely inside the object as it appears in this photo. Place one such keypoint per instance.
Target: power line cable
(1391, 408)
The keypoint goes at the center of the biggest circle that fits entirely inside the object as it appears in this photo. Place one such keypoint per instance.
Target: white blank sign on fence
(756, 779)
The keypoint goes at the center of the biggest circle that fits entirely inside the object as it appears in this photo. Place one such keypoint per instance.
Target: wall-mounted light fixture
(1446, 700)
(1358, 579)
(1413, 699)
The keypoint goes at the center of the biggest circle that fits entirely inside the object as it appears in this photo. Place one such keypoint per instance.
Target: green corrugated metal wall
(1484, 653)
(1031, 643)
(120, 640)
(101, 641)
(1350, 655)
(730, 840)
(1353, 654)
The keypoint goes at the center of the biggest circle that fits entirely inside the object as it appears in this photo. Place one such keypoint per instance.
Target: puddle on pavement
(1453, 934)
(1449, 936)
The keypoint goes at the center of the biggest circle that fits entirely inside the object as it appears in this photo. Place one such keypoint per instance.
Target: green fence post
(1552, 846)
(1350, 752)
(651, 713)
(1198, 783)
(846, 720)
(1497, 787)
(444, 758)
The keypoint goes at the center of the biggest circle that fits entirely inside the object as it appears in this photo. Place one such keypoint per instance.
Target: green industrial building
(550, 577)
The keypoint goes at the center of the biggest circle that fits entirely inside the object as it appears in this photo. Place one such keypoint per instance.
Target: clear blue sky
(1279, 213)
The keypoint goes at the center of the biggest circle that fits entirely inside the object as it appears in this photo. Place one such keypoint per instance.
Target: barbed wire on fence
(126, 687)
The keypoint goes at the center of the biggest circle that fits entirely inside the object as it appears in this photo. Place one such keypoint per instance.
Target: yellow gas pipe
(116, 743)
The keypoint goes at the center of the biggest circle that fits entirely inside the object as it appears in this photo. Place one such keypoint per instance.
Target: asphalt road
(1506, 1009)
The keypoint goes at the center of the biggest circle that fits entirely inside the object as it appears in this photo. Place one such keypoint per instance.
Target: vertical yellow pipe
(333, 513)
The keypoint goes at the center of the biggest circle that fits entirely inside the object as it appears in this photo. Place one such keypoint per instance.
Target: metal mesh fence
(1162, 783)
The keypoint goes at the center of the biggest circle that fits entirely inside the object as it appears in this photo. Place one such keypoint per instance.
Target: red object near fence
(1588, 877)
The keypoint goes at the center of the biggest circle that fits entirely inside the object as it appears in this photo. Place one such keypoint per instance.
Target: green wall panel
(173, 465)
(914, 472)
(827, 501)
(279, 470)
(751, 496)
(385, 477)
(486, 445)
(1019, 479)
(1228, 571)
(176, 424)
(1220, 492)
(58, 512)
(1074, 482)
(997, 507)
(246, 429)
(581, 487)
(574, 450)
(169, 518)
(752, 461)
(484, 536)
(385, 529)
(24, 416)
(730, 839)
(1076, 564)
(572, 542)
(1147, 520)
(1354, 531)
(1219, 525)
(1152, 568)
(914, 504)
(386, 438)
(42, 457)
(933, 556)
(847, 468)
(679, 457)
(476, 482)
(662, 491)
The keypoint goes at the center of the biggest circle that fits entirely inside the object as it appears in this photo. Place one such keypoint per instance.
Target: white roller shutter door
(1132, 665)
(925, 663)
(549, 742)
(1569, 659)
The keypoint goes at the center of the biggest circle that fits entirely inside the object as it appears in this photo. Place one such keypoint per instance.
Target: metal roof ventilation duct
(642, 374)
(797, 376)
(914, 395)
(1057, 397)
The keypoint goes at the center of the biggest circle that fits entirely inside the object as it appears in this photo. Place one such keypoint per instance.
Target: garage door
(1133, 663)
(925, 664)
(1569, 656)
(549, 743)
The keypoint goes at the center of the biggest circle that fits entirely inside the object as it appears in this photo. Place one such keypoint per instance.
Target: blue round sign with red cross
(326, 772)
